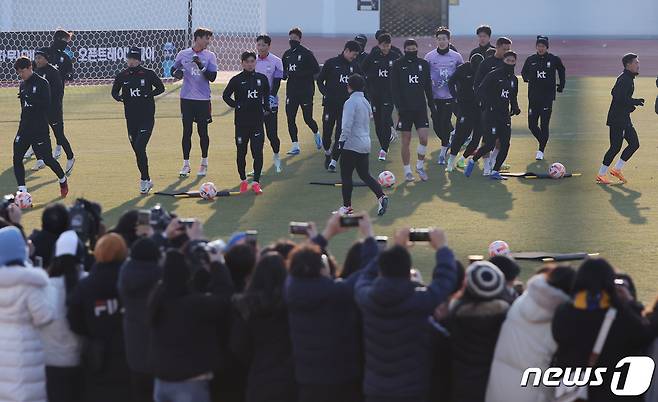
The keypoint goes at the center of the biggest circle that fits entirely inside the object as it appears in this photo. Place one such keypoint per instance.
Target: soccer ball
(387, 179)
(23, 200)
(557, 170)
(499, 247)
(208, 191)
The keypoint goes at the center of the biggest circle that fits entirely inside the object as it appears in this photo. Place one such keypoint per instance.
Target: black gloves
(198, 63)
(178, 74)
(560, 88)
(638, 102)
(117, 97)
(515, 112)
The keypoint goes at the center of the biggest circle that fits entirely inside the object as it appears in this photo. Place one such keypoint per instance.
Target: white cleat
(539, 156)
(203, 171)
(29, 153)
(57, 152)
(145, 186)
(38, 166)
(69, 166)
(382, 155)
(185, 171)
(277, 165)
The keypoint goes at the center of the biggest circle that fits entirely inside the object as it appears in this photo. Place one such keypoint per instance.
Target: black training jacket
(498, 92)
(460, 84)
(411, 84)
(51, 74)
(623, 103)
(136, 87)
(540, 72)
(299, 68)
(34, 95)
(377, 69)
(248, 92)
(332, 80)
(482, 50)
(488, 65)
(62, 61)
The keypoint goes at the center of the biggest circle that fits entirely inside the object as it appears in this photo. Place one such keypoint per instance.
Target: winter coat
(24, 306)
(525, 341)
(355, 134)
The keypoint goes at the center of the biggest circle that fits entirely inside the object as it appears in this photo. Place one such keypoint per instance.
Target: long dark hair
(173, 285)
(264, 293)
(596, 275)
(352, 260)
(66, 266)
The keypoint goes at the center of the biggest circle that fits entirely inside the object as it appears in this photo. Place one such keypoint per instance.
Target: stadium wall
(557, 17)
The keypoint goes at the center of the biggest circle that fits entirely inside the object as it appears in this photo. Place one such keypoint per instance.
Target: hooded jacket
(355, 134)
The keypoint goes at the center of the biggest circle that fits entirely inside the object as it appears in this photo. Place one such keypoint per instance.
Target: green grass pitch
(566, 215)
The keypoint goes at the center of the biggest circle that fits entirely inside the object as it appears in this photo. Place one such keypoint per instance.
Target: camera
(419, 235)
(350, 221)
(85, 220)
(160, 219)
(187, 222)
(7, 200)
(299, 228)
(382, 242)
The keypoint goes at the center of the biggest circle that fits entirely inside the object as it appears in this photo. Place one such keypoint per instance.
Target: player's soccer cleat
(294, 151)
(452, 161)
(244, 186)
(422, 174)
(382, 205)
(409, 177)
(318, 140)
(461, 163)
(331, 168)
(618, 175)
(57, 152)
(394, 135)
(38, 166)
(28, 154)
(468, 170)
(602, 180)
(64, 189)
(277, 165)
(539, 156)
(382, 155)
(185, 171)
(497, 176)
(442, 158)
(256, 188)
(69, 166)
(145, 186)
(344, 211)
(203, 171)
(452, 137)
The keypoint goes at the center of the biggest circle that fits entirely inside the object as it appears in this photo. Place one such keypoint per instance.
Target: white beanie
(67, 244)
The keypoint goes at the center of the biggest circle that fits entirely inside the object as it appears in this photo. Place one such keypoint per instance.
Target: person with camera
(184, 322)
(395, 308)
(54, 222)
(324, 321)
(11, 213)
(95, 312)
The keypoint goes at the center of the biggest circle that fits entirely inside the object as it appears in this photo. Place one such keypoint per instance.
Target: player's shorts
(410, 118)
(196, 110)
(55, 114)
(299, 99)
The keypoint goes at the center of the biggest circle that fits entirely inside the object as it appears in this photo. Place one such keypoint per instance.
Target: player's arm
(284, 60)
(367, 64)
(395, 85)
(210, 71)
(347, 122)
(314, 66)
(67, 68)
(525, 71)
(427, 87)
(561, 71)
(116, 89)
(453, 82)
(264, 96)
(42, 98)
(479, 74)
(514, 102)
(158, 86)
(482, 90)
(229, 91)
(322, 77)
(279, 72)
(621, 93)
(56, 86)
(176, 70)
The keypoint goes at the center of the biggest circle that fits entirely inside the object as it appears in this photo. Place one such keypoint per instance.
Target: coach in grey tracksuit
(354, 142)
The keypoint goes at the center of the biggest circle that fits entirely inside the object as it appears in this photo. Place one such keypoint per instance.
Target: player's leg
(462, 131)
(387, 122)
(442, 126)
(405, 122)
(204, 118)
(187, 116)
(477, 133)
(489, 142)
(41, 145)
(335, 152)
(363, 170)
(534, 113)
(382, 129)
(630, 135)
(291, 115)
(504, 134)
(21, 145)
(347, 165)
(545, 119)
(140, 142)
(307, 113)
(242, 144)
(422, 127)
(328, 123)
(271, 128)
(616, 141)
(257, 142)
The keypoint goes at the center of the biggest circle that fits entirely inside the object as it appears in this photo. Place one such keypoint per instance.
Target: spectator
(511, 270)
(240, 260)
(352, 261)
(525, 339)
(474, 323)
(184, 329)
(96, 313)
(61, 346)
(324, 324)
(282, 246)
(395, 317)
(576, 325)
(652, 393)
(137, 277)
(54, 221)
(24, 307)
(260, 335)
(127, 227)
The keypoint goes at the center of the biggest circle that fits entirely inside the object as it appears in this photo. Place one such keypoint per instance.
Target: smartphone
(474, 258)
(419, 234)
(299, 228)
(382, 242)
(144, 217)
(187, 222)
(252, 236)
(350, 221)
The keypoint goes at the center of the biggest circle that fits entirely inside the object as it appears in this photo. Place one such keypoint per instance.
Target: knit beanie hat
(67, 244)
(12, 246)
(145, 249)
(507, 265)
(542, 39)
(484, 280)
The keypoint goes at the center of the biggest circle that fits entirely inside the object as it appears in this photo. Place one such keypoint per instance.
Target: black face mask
(60, 44)
(509, 69)
(293, 43)
(411, 55)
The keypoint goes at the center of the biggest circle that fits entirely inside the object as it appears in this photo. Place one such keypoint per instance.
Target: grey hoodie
(356, 124)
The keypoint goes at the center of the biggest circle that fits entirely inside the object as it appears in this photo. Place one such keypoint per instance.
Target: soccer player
(34, 95)
(355, 144)
(483, 33)
(249, 94)
(498, 93)
(55, 113)
(332, 83)
(197, 66)
(619, 120)
(503, 45)
(443, 62)
(362, 40)
(271, 66)
(539, 71)
(377, 68)
(376, 48)
(469, 115)
(299, 68)
(136, 87)
(411, 86)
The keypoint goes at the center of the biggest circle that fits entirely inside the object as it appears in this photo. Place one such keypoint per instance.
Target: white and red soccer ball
(23, 200)
(557, 171)
(386, 179)
(499, 247)
(208, 191)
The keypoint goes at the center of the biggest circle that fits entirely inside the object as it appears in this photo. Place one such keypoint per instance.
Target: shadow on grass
(625, 201)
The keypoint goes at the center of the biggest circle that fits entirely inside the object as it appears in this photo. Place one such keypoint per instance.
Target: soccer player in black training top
(332, 83)
(484, 41)
(299, 69)
(33, 130)
(396, 50)
(249, 94)
(539, 71)
(411, 86)
(469, 115)
(55, 114)
(362, 40)
(377, 69)
(136, 87)
(619, 120)
(498, 94)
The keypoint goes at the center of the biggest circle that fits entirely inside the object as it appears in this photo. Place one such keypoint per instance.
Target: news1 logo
(631, 377)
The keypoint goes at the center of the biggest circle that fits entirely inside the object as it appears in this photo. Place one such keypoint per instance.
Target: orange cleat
(256, 188)
(619, 175)
(64, 189)
(602, 180)
(244, 186)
